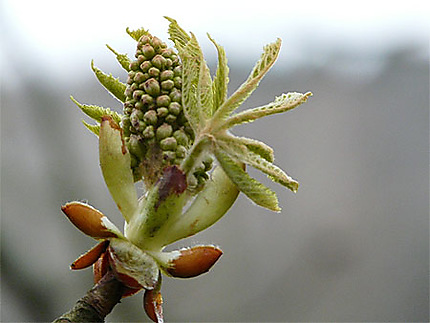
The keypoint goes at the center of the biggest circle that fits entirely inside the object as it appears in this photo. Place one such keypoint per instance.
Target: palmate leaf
(113, 85)
(281, 104)
(240, 152)
(255, 190)
(266, 61)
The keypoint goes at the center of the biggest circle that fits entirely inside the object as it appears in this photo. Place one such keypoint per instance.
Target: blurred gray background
(351, 245)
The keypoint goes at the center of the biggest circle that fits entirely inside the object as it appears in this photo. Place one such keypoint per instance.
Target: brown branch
(97, 303)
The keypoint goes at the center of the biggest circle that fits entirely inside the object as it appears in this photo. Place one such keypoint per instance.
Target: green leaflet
(95, 129)
(196, 84)
(240, 152)
(255, 146)
(113, 85)
(177, 34)
(197, 88)
(256, 191)
(204, 91)
(281, 104)
(220, 82)
(95, 112)
(136, 34)
(266, 61)
(190, 77)
(122, 59)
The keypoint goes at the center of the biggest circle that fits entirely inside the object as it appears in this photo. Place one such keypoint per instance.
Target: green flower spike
(176, 120)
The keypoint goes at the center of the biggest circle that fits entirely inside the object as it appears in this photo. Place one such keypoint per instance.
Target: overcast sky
(52, 30)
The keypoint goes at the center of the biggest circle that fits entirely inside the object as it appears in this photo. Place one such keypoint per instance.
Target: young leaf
(255, 146)
(220, 82)
(136, 34)
(196, 83)
(204, 91)
(115, 165)
(240, 152)
(93, 128)
(177, 34)
(256, 191)
(113, 85)
(266, 61)
(95, 112)
(122, 59)
(281, 104)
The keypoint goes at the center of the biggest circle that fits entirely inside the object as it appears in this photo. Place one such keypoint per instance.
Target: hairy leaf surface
(255, 190)
(220, 82)
(122, 59)
(266, 61)
(112, 84)
(281, 104)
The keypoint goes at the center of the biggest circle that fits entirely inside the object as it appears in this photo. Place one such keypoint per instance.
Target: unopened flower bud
(163, 101)
(162, 112)
(168, 143)
(148, 51)
(166, 75)
(159, 61)
(150, 117)
(154, 72)
(164, 131)
(167, 85)
(152, 87)
(175, 108)
(181, 137)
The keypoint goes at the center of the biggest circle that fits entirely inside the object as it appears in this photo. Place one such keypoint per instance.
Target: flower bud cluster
(155, 128)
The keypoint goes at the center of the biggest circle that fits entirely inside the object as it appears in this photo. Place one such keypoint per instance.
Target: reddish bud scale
(100, 267)
(87, 219)
(153, 302)
(194, 261)
(90, 257)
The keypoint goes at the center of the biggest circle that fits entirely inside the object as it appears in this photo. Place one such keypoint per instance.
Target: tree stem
(97, 303)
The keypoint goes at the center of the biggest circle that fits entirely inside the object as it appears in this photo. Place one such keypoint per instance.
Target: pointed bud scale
(194, 261)
(90, 257)
(101, 267)
(90, 220)
(152, 302)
